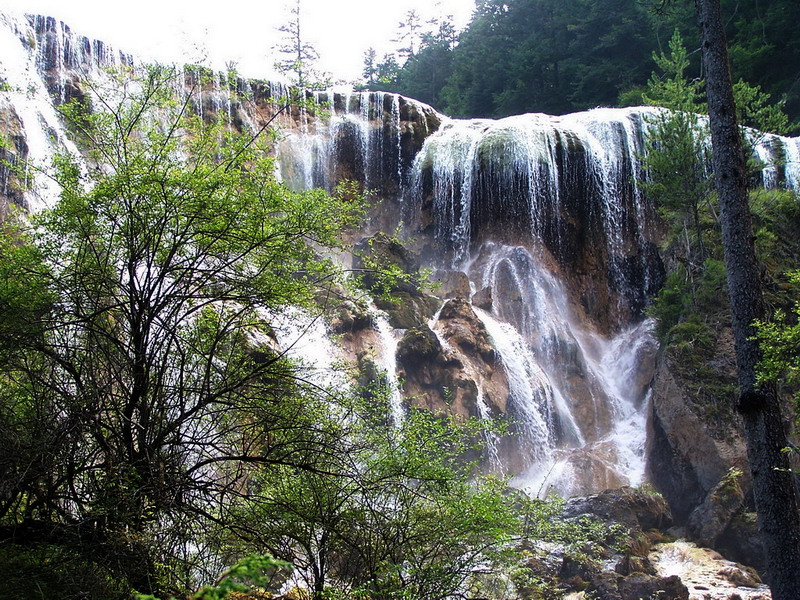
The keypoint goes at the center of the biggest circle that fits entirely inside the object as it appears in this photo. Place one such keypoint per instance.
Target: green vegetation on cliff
(692, 308)
(153, 431)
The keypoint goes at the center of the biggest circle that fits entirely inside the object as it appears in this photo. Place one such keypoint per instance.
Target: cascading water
(543, 346)
(540, 180)
(360, 136)
(27, 98)
(543, 214)
(388, 359)
(546, 214)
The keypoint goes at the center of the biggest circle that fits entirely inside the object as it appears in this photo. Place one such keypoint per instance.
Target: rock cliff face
(544, 249)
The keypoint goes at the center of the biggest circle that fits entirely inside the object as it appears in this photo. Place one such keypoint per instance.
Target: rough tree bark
(774, 491)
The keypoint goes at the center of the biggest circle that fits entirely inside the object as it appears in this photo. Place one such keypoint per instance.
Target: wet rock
(451, 284)
(633, 508)
(470, 343)
(12, 155)
(451, 368)
(350, 318)
(407, 310)
(741, 541)
(740, 577)
(433, 379)
(706, 573)
(640, 585)
(592, 468)
(418, 347)
(604, 586)
(400, 297)
(576, 571)
(709, 520)
(630, 564)
(462, 327)
(685, 461)
(483, 298)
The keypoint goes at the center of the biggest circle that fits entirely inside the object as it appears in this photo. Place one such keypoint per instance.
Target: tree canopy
(561, 56)
(139, 380)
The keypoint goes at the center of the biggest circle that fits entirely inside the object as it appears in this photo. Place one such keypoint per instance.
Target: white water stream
(540, 341)
(576, 394)
(388, 360)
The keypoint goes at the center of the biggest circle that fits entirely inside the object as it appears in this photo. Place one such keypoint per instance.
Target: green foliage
(534, 55)
(692, 308)
(672, 89)
(250, 572)
(755, 110)
(55, 571)
(566, 55)
(677, 158)
(133, 400)
(762, 39)
(582, 537)
(780, 342)
(395, 512)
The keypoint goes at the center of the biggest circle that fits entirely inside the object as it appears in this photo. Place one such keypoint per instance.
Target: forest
(558, 57)
(167, 430)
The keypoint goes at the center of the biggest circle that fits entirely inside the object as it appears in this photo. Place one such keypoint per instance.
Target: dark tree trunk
(776, 503)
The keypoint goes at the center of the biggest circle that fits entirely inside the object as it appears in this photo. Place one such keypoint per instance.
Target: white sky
(244, 31)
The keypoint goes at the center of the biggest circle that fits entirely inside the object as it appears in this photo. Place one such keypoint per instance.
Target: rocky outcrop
(699, 462)
(711, 518)
(13, 157)
(635, 509)
(638, 559)
(685, 461)
(741, 541)
(608, 586)
(706, 573)
(450, 368)
(389, 270)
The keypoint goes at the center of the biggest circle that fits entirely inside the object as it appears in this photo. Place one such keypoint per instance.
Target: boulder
(407, 310)
(710, 519)
(741, 541)
(685, 461)
(640, 585)
(636, 509)
(462, 327)
(451, 284)
(483, 298)
(350, 318)
(432, 378)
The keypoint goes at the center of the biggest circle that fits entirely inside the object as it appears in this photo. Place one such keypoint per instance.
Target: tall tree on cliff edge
(298, 56)
(773, 486)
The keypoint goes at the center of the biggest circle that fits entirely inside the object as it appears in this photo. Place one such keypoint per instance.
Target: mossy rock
(417, 346)
(407, 310)
(349, 317)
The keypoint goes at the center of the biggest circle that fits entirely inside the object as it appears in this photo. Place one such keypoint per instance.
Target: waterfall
(27, 97)
(542, 214)
(304, 338)
(542, 345)
(388, 360)
(352, 135)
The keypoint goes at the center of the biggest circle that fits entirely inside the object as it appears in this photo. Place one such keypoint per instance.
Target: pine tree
(300, 56)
